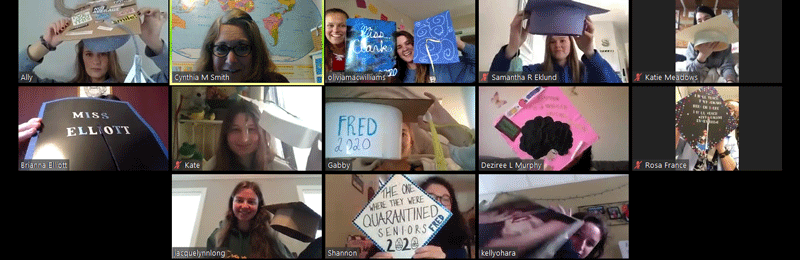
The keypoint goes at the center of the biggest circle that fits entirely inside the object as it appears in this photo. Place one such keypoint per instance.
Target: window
(187, 207)
(295, 100)
(311, 195)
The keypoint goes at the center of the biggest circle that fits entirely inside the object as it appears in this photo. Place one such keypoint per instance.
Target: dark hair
(542, 134)
(455, 232)
(599, 249)
(703, 9)
(402, 65)
(226, 158)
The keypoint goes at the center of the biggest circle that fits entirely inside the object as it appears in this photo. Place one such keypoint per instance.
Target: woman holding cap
(97, 62)
(454, 235)
(234, 45)
(245, 231)
(410, 72)
(560, 55)
(243, 144)
(702, 58)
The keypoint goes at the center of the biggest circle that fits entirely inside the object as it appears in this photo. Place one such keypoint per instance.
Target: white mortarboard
(558, 17)
(295, 219)
(368, 127)
(717, 29)
(283, 125)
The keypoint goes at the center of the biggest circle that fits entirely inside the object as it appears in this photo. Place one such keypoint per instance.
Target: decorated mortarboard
(435, 40)
(102, 25)
(295, 219)
(97, 135)
(545, 125)
(702, 110)
(368, 127)
(558, 17)
(370, 45)
(401, 217)
(717, 29)
(284, 125)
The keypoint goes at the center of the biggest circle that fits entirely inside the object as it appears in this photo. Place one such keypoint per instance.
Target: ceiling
(491, 184)
(415, 11)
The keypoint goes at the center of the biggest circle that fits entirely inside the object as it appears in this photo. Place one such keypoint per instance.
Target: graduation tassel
(432, 77)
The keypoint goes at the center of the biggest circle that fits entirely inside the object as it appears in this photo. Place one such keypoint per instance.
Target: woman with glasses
(235, 45)
(245, 231)
(452, 239)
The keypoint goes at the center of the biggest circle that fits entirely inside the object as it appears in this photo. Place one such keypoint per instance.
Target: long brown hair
(402, 66)
(262, 66)
(263, 239)
(114, 72)
(328, 44)
(572, 60)
(226, 159)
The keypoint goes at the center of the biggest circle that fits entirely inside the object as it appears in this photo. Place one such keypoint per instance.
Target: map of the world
(285, 25)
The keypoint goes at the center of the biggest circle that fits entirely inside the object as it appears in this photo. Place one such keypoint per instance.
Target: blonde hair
(114, 72)
(261, 66)
(572, 60)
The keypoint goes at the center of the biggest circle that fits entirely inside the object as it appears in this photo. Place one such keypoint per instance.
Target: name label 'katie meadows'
(98, 129)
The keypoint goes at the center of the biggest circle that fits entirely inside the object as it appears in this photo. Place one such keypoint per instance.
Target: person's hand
(28, 129)
(382, 255)
(704, 50)
(585, 42)
(429, 252)
(439, 115)
(53, 33)
(460, 44)
(720, 146)
(151, 28)
(518, 34)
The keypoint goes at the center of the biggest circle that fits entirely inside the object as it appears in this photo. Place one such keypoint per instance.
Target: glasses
(222, 50)
(442, 199)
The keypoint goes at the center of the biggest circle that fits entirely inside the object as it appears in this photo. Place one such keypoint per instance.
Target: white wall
(276, 188)
(35, 16)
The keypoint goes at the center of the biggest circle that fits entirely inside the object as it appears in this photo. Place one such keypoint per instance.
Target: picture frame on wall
(614, 213)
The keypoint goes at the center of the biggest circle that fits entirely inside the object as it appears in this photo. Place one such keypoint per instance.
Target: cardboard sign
(703, 110)
(565, 131)
(97, 134)
(370, 45)
(401, 217)
(438, 35)
(99, 19)
(368, 127)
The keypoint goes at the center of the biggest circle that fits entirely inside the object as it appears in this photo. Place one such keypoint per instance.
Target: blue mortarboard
(105, 44)
(370, 45)
(558, 17)
(437, 33)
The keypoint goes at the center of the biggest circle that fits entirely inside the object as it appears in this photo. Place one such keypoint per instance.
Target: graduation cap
(368, 127)
(717, 29)
(549, 128)
(701, 110)
(558, 17)
(370, 45)
(435, 40)
(284, 125)
(97, 134)
(296, 220)
(103, 25)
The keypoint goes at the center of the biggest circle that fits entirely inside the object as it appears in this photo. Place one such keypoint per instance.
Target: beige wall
(276, 188)
(616, 233)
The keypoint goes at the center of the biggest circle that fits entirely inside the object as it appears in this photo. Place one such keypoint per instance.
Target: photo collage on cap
(359, 85)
